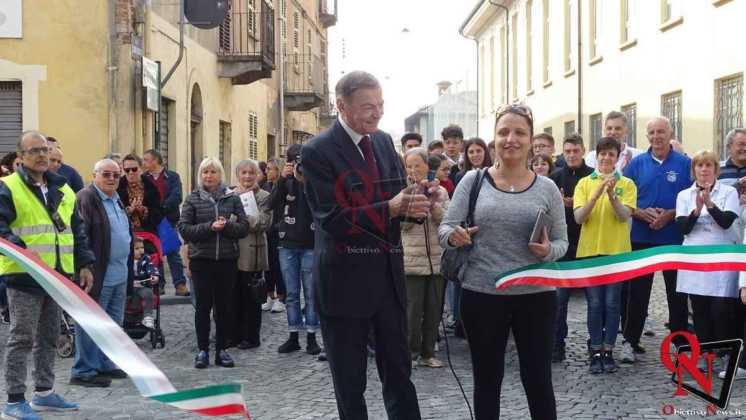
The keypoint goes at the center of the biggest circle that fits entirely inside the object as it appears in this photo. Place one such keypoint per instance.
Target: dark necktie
(370, 159)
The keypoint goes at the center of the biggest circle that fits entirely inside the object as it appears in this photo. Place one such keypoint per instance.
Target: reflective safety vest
(35, 227)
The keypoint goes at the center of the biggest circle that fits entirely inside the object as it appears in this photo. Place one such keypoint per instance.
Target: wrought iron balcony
(304, 82)
(328, 13)
(246, 42)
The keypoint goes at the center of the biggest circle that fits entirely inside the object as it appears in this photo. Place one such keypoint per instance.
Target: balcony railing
(247, 35)
(304, 74)
(328, 12)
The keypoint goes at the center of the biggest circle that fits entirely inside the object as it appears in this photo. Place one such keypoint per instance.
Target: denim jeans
(560, 323)
(89, 359)
(604, 304)
(176, 265)
(454, 299)
(297, 270)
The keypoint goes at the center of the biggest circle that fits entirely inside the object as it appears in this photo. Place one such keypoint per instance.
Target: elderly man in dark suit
(355, 185)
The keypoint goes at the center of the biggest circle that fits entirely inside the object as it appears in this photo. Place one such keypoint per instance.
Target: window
(514, 58)
(529, 41)
(548, 130)
(627, 21)
(251, 16)
(11, 115)
(569, 127)
(253, 136)
(493, 73)
(224, 155)
(164, 130)
(670, 10)
(631, 112)
(224, 32)
(728, 108)
(545, 45)
(568, 35)
(596, 124)
(296, 30)
(300, 137)
(671, 109)
(283, 21)
(594, 25)
(503, 66)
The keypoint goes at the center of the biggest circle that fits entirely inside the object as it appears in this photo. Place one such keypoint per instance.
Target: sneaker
(638, 349)
(648, 329)
(19, 411)
(322, 356)
(6, 316)
(596, 365)
(52, 402)
(181, 290)
(609, 364)
(628, 353)
(202, 360)
(266, 306)
(558, 354)
(450, 322)
(289, 346)
(430, 362)
(115, 374)
(312, 347)
(245, 345)
(224, 359)
(94, 381)
(148, 322)
(278, 306)
(740, 374)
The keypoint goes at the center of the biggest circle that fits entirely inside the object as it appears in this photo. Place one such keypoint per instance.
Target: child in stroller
(146, 276)
(138, 316)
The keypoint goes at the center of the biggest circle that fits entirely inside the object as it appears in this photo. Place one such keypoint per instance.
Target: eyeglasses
(112, 175)
(522, 110)
(131, 170)
(36, 151)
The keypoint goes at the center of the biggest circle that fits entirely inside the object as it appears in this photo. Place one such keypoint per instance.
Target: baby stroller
(133, 314)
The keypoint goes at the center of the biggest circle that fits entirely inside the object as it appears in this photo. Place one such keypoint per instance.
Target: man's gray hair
(28, 134)
(215, 163)
(353, 81)
(98, 167)
(246, 163)
(732, 135)
(417, 151)
(616, 115)
(660, 118)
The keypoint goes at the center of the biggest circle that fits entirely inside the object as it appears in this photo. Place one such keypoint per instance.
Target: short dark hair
(355, 80)
(543, 157)
(476, 141)
(574, 139)
(434, 145)
(134, 157)
(433, 162)
(452, 131)
(51, 139)
(263, 167)
(411, 136)
(156, 154)
(608, 143)
(546, 136)
(137, 240)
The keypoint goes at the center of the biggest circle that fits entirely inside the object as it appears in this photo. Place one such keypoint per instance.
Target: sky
(409, 45)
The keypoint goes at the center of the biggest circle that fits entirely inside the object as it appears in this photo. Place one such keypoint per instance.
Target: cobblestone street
(297, 386)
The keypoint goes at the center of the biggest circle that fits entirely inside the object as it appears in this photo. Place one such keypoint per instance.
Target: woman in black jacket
(140, 196)
(212, 221)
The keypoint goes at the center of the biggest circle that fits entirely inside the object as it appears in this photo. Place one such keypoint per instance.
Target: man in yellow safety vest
(37, 213)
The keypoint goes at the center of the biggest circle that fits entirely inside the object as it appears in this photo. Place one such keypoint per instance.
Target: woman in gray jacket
(510, 196)
(212, 221)
(249, 292)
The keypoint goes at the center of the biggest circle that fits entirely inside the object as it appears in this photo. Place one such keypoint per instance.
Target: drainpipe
(181, 47)
(580, 70)
(281, 83)
(507, 49)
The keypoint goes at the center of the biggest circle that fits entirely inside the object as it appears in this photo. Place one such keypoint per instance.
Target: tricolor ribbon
(216, 400)
(616, 268)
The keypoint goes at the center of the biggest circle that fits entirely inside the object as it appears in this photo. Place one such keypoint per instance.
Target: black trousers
(213, 281)
(247, 309)
(346, 339)
(488, 319)
(716, 318)
(636, 297)
(274, 275)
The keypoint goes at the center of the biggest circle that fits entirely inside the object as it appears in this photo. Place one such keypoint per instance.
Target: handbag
(170, 241)
(453, 261)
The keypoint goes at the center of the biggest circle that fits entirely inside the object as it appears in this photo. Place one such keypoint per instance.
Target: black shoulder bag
(452, 261)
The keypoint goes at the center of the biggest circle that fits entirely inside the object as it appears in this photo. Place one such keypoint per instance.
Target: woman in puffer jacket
(250, 292)
(212, 221)
(425, 285)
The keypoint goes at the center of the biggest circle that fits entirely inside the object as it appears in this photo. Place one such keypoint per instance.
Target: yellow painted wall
(689, 57)
(71, 46)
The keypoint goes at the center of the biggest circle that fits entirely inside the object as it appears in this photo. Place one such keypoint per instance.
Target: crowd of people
(292, 235)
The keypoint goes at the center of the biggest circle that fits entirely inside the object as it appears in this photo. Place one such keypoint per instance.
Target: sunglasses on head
(522, 110)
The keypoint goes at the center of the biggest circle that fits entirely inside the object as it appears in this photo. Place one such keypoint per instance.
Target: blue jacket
(74, 179)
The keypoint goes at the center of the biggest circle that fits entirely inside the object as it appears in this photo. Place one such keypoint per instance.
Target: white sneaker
(278, 306)
(147, 322)
(627, 354)
(268, 304)
(740, 374)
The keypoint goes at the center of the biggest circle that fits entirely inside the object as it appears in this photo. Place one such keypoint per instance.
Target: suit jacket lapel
(349, 151)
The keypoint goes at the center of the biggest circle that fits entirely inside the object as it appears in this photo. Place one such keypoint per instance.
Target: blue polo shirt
(119, 250)
(658, 184)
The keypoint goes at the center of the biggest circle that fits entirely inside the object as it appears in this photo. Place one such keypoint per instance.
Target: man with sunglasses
(37, 213)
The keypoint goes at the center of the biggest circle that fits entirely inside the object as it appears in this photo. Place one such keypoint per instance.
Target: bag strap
(474, 194)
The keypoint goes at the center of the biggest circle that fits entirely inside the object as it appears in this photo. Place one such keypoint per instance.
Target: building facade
(453, 106)
(573, 61)
(245, 89)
